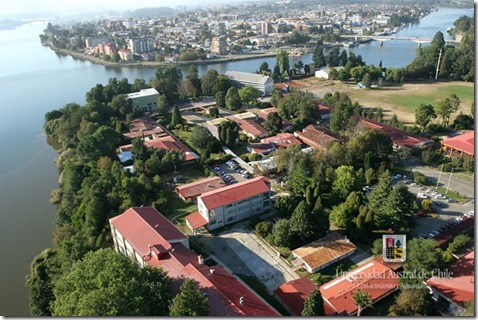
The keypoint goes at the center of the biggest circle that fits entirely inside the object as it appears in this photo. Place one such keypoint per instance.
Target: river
(35, 80)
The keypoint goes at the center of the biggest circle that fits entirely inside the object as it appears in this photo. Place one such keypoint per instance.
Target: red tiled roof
(374, 278)
(317, 137)
(325, 108)
(170, 143)
(196, 220)
(261, 148)
(198, 187)
(146, 226)
(282, 140)
(294, 293)
(464, 142)
(265, 112)
(459, 287)
(222, 288)
(251, 127)
(399, 137)
(242, 190)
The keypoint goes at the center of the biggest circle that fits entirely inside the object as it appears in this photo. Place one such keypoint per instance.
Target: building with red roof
(453, 289)
(235, 202)
(189, 191)
(459, 145)
(156, 136)
(293, 295)
(317, 137)
(263, 113)
(325, 110)
(267, 145)
(400, 138)
(148, 237)
(376, 279)
(251, 128)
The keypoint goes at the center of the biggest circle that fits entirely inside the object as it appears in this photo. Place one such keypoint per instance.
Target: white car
(429, 190)
(422, 196)
(470, 213)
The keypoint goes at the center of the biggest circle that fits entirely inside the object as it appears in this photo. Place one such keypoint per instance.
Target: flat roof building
(262, 83)
(144, 99)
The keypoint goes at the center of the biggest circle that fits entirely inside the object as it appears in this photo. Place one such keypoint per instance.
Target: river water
(35, 80)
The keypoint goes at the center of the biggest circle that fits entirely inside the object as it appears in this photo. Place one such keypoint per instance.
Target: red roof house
(461, 144)
(317, 137)
(374, 278)
(189, 191)
(282, 140)
(458, 286)
(252, 128)
(145, 233)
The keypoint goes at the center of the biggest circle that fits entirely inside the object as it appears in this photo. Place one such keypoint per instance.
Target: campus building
(230, 204)
(144, 99)
(262, 83)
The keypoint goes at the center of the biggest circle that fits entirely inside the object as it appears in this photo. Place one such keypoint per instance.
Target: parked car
(422, 196)
(428, 190)
(431, 235)
(413, 184)
(450, 200)
(421, 213)
(440, 204)
(470, 213)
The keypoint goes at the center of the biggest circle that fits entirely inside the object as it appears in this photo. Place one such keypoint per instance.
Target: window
(231, 219)
(212, 222)
(229, 205)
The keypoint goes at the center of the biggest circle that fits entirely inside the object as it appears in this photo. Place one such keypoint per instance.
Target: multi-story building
(125, 54)
(147, 237)
(235, 202)
(221, 29)
(140, 45)
(93, 42)
(108, 48)
(265, 28)
(219, 45)
(144, 99)
(262, 83)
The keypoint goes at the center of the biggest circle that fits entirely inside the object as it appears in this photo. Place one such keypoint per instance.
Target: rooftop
(460, 286)
(317, 137)
(282, 140)
(374, 278)
(247, 77)
(464, 142)
(251, 127)
(142, 93)
(241, 190)
(324, 250)
(294, 293)
(198, 187)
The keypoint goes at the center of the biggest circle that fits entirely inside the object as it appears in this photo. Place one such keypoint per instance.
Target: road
(461, 186)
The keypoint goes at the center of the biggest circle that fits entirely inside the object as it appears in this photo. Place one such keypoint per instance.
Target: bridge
(383, 38)
(44, 20)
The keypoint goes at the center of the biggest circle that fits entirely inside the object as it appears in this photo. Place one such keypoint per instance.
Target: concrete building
(108, 48)
(262, 83)
(125, 54)
(93, 42)
(144, 99)
(189, 191)
(148, 238)
(219, 45)
(140, 45)
(265, 28)
(232, 203)
(325, 73)
(221, 29)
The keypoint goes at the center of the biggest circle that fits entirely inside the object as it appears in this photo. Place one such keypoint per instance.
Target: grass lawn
(191, 172)
(177, 206)
(410, 102)
(451, 194)
(331, 272)
(261, 290)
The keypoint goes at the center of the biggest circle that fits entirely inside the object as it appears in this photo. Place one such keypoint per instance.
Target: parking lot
(231, 172)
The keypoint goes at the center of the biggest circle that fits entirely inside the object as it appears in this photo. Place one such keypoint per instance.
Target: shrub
(263, 229)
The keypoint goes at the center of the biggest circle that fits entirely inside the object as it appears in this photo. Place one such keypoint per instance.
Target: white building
(140, 45)
(262, 83)
(145, 99)
(325, 72)
(235, 202)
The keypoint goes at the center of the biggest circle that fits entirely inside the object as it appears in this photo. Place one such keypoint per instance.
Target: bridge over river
(383, 38)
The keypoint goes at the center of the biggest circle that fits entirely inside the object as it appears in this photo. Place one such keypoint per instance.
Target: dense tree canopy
(105, 283)
(189, 301)
(314, 305)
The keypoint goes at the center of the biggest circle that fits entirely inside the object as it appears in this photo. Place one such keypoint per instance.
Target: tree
(207, 82)
(39, 283)
(189, 302)
(203, 140)
(343, 58)
(333, 58)
(166, 81)
(319, 58)
(176, 117)
(276, 96)
(333, 74)
(346, 181)
(422, 259)
(273, 123)
(373, 143)
(412, 303)
(220, 99)
(221, 83)
(424, 114)
(233, 100)
(248, 94)
(280, 235)
(463, 122)
(264, 68)
(344, 213)
(313, 305)
(380, 191)
(228, 133)
(362, 299)
(397, 210)
(162, 105)
(446, 107)
(263, 229)
(298, 177)
(284, 205)
(213, 111)
(366, 80)
(282, 59)
(105, 283)
(302, 221)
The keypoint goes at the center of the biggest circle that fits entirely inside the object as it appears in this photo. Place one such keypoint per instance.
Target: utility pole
(449, 179)
(438, 65)
(439, 176)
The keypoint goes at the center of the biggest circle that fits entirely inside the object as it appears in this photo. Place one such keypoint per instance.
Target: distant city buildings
(219, 45)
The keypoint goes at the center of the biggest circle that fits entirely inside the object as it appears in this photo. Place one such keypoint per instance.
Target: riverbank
(155, 64)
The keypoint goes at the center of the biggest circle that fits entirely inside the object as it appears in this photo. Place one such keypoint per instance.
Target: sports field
(401, 100)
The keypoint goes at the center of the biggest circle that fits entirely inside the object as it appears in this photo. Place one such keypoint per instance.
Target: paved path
(241, 162)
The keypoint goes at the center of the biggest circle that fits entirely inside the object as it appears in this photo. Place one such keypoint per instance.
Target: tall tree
(346, 181)
(333, 58)
(176, 117)
(220, 99)
(248, 94)
(448, 106)
(283, 61)
(424, 114)
(273, 123)
(189, 301)
(397, 210)
(207, 82)
(105, 283)
(343, 58)
(412, 303)
(362, 299)
(166, 81)
(319, 58)
(302, 221)
(162, 105)
(314, 305)
(233, 100)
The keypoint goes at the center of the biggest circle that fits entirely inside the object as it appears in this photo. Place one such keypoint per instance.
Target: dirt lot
(401, 100)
